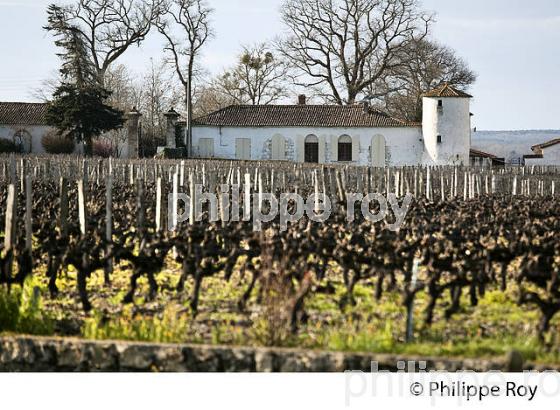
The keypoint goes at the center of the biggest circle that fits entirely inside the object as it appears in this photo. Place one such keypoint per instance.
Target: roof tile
(446, 91)
(23, 113)
(481, 154)
(344, 116)
(538, 148)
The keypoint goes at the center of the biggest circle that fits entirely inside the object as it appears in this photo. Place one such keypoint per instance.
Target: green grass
(21, 310)
(168, 327)
(496, 326)
(493, 328)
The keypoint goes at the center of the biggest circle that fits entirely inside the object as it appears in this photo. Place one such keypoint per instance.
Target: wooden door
(278, 148)
(206, 147)
(243, 149)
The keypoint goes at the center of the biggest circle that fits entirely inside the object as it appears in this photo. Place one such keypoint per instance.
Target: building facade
(327, 134)
(24, 124)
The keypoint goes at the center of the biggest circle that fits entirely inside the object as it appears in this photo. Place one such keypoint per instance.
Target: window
(311, 153)
(345, 149)
(439, 139)
(440, 103)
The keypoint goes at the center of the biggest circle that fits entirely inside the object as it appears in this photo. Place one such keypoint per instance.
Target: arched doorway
(378, 151)
(311, 149)
(23, 139)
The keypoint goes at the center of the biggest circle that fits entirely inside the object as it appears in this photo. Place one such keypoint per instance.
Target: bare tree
(258, 78)
(120, 82)
(110, 27)
(192, 19)
(46, 89)
(152, 92)
(207, 98)
(345, 46)
(427, 65)
(160, 92)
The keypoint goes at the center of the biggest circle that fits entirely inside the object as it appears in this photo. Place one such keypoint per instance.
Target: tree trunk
(88, 146)
(189, 110)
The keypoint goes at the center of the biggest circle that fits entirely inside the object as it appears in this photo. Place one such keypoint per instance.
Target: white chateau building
(327, 134)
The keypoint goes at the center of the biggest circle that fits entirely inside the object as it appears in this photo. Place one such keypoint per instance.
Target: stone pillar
(133, 135)
(172, 117)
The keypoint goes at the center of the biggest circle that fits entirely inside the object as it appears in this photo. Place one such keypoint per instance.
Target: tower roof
(446, 91)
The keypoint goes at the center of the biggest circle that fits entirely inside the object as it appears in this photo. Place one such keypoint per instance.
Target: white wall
(37, 132)
(404, 145)
(453, 123)
(551, 156)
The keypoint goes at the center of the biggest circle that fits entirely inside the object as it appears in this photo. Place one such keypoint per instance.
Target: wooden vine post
(82, 207)
(11, 221)
(28, 213)
(108, 225)
(158, 205)
(63, 214)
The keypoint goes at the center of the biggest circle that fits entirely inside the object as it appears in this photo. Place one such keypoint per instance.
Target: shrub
(149, 145)
(55, 143)
(7, 146)
(103, 148)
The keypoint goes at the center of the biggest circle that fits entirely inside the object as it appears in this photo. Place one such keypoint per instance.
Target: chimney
(302, 99)
(365, 106)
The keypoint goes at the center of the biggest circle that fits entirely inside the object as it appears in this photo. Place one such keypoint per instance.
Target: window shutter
(322, 150)
(334, 148)
(355, 149)
(378, 151)
(278, 148)
(300, 148)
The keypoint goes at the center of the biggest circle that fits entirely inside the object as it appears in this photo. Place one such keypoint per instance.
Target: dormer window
(439, 139)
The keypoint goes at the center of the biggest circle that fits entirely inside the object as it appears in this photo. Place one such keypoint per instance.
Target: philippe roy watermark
(413, 380)
(232, 205)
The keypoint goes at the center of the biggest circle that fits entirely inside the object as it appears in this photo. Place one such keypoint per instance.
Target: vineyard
(88, 249)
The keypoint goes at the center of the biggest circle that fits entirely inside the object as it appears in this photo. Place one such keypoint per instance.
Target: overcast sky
(514, 46)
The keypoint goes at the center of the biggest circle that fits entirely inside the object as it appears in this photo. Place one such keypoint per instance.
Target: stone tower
(446, 126)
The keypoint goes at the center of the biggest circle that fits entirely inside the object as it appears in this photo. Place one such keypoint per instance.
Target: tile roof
(538, 148)
(446, 91)
(344, 116)
(12, 113)
(482, 154)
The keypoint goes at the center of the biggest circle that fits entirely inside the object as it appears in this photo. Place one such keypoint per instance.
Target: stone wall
(61, 354)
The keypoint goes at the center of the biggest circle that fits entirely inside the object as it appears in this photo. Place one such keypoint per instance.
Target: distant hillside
(511, 145)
